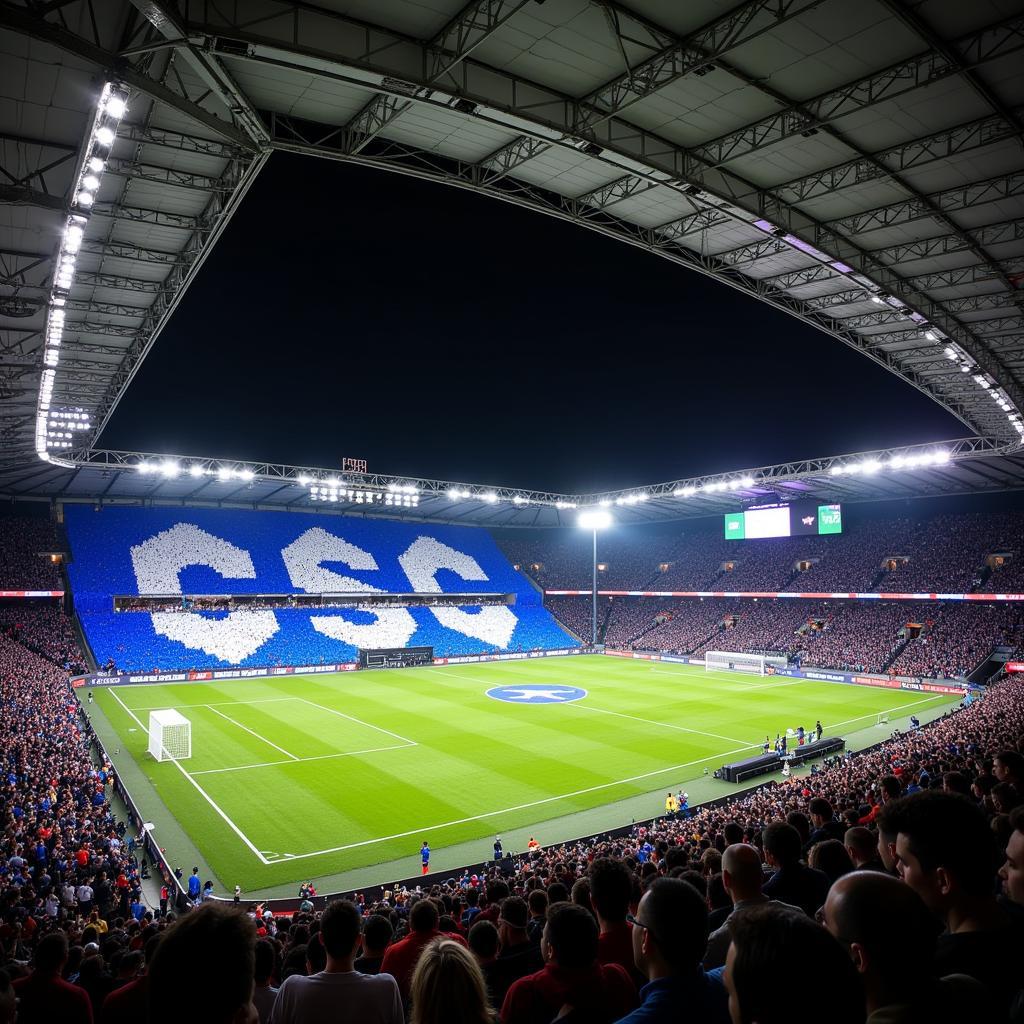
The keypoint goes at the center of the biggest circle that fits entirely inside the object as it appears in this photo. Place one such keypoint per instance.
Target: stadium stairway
(76, 626)
(897, 651)
(602, 626)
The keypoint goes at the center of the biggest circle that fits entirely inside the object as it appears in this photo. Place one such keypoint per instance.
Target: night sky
(434, 332)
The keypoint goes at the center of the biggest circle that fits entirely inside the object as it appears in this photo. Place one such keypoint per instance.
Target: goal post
(734, 661)
(882, 718)
(170, 735)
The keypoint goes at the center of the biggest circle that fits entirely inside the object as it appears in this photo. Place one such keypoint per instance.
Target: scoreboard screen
(797, 519)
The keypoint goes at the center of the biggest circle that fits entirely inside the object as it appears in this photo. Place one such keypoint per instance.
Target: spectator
(208, 954)
(265, 970)
(945, 852)
(890, 936)
(743, 878)
(571, 977)
(611, 886)
(519, 956)
(400, 958)
(339, 992)
(44, 996)
(670, 932)
(127, 1004)
(774, 954)
(1012, 871)
(448, 986)
(831, 859)
(792, 881)
(862, 846)
(8, 1004)
(377, 935)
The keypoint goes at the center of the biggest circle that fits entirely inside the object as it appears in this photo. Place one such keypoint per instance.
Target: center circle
(536, 693)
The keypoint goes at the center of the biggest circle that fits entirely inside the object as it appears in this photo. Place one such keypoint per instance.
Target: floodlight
(143, 467)
(453, 493)
(897, 462)
(84, 199)
(91, 182)
(304, 479)
(594, 519)
(246, 474)
(941, 457)
(116, 106)
(195, 470)
(747, 481)
(104, 135)
(870, 466)
(95, 164)
(170, 468)
(225, 473)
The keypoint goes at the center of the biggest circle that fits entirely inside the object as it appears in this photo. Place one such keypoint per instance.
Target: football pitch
(300, 777)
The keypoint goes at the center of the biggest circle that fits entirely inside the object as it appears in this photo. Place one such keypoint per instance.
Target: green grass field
(308, 776)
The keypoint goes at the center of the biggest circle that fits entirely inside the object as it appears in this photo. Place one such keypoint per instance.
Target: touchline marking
(664, 725)
(206, 796)
(302, 760)
(252, 733)
(519, 807)
(359, 721)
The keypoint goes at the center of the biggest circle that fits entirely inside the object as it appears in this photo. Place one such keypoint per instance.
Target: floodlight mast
(594, 520)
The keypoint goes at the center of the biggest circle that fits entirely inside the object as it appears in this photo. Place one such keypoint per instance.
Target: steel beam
(903, 156)
(809, 116)
(31, 24)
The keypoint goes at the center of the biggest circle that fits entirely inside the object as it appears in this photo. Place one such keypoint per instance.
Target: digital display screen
(798, 519)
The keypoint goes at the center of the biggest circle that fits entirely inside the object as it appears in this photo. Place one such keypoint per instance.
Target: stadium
(355, 744)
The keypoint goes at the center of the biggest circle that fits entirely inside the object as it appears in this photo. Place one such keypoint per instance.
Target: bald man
(890, 936)
(742, 876)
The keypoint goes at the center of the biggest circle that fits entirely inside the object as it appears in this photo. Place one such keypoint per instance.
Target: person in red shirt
(611, 891)
(44, 996)
(571, 976)
(401, 958)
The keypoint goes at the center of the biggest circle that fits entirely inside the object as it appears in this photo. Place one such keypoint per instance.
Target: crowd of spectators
(24, 565)
(956, 640)
(942, 639)
(44, 629)
(718, 906)
(941, 554)
(68, 869)
(891, 880)
(859, 636)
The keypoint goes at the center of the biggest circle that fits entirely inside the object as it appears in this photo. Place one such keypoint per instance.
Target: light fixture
(594, 519)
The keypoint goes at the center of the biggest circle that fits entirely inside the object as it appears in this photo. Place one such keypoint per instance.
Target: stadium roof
(859, 166)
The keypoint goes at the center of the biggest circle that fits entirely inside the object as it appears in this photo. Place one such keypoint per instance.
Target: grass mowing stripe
(206, 796)
(252, 733)
(521, 807)
(359, 721)
(303, 760)
(651, 721)
(366, 789)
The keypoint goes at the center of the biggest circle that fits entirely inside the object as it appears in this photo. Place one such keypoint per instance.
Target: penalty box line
(291, 758)
(202, 792)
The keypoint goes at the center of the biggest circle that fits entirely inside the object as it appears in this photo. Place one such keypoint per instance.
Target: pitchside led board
(799, 519)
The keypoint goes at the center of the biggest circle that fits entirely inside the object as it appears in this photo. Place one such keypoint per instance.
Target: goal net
(170, 735)
(733, 661)
(882, 718)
